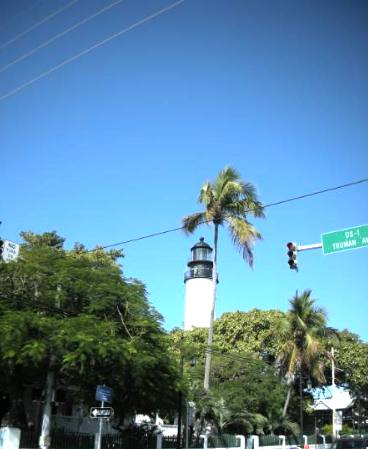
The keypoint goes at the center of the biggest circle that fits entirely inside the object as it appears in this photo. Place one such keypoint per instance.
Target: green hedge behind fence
(225, 440)
(63, 440)
(59, 440)
(269, 440)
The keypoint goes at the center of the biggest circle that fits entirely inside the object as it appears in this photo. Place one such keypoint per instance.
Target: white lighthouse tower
(198, 287)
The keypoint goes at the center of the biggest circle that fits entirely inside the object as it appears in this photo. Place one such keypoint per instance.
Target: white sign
(101, 412)
(10, 251)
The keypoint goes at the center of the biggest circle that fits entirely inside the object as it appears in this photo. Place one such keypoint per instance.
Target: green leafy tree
(351, 358)
(258, 331)
(245, 397)
(74, 314)
(228, 200)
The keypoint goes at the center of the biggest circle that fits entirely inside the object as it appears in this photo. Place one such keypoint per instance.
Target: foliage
(346, 430)
(257, 331)
(303, 352)
(73, 312)
(246, 395)
(229, 200)
(351, 362)
(226, 200)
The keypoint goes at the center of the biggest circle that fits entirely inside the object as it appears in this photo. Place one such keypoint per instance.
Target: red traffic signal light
(292, 253)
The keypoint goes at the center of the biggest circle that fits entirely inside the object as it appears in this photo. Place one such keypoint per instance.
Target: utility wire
(58, 36)
(295, 198)
(89, 49)
(330, 189)
(36, 25)
(27, 9)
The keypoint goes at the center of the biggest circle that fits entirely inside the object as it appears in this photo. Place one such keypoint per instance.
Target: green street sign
(345, 239)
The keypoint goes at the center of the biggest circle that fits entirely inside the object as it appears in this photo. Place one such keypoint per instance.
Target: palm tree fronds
(191, 222)
(303, 351)
(244, 236)
(206, 196)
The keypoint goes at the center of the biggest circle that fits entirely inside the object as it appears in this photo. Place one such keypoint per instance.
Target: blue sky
(116, 144)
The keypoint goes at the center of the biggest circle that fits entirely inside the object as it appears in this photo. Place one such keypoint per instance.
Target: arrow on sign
(101, 412)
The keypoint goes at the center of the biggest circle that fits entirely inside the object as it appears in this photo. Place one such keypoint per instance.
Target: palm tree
(303, 350)
(226, 200)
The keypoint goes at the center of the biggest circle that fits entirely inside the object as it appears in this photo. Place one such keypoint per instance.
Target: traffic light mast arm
(308, 247)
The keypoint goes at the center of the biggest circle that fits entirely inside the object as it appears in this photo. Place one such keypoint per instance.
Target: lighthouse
(198, 287)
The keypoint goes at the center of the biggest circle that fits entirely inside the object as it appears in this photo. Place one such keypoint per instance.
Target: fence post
(159, 441)
(283, 441)
(9, 437)
(323, 441)
(305, 441)
(242, 441)
(255, 439)
(205, 441)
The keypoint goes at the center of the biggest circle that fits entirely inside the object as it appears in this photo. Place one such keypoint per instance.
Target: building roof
(201, 244)
(340, 400)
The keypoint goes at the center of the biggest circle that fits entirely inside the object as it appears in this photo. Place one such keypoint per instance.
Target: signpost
(345, 239)
(103, 394)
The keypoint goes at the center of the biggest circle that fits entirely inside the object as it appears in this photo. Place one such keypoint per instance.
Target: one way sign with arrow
(101, 412)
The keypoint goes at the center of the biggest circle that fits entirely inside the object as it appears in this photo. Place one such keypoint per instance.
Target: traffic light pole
(308, 247)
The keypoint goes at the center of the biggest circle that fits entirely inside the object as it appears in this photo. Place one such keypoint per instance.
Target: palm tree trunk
(207, 368)
(287, 400)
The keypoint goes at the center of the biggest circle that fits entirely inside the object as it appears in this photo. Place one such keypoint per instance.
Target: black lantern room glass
(201, 251)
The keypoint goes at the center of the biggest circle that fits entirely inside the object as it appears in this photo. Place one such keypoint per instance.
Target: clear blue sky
(116, 144)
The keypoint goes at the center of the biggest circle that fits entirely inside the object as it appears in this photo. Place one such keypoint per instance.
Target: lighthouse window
(201, 254)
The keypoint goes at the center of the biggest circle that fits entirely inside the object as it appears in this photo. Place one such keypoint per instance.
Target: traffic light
(292, 253)
(1, 248)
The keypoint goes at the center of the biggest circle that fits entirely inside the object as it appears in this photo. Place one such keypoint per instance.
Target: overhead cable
(306, 195)
(89, 49)
(36, 25)
(58, 36)
(27, 9)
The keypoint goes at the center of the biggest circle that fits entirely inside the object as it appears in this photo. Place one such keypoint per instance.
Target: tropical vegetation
(227, 201)
(74, 314)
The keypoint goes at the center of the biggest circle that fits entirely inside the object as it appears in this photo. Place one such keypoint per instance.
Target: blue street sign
(103, 393)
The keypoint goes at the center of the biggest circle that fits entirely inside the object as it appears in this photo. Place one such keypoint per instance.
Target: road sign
(345, 239)
(101, 412)
(10, 251)
(103, 393)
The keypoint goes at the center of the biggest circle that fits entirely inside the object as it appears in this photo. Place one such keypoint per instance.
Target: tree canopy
(73, 312)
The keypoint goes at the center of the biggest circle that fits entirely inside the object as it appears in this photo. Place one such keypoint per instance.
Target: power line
(36, 25)
(27, 9)
(330, 189)
(89, 49)
(167, 231)
(58, 36)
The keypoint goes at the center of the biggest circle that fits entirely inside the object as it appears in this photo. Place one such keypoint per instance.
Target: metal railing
(198, 273)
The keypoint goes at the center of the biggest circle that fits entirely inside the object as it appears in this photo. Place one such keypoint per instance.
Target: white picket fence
(253, 443)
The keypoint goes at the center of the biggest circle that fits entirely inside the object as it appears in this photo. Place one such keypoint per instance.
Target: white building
(198, 287)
